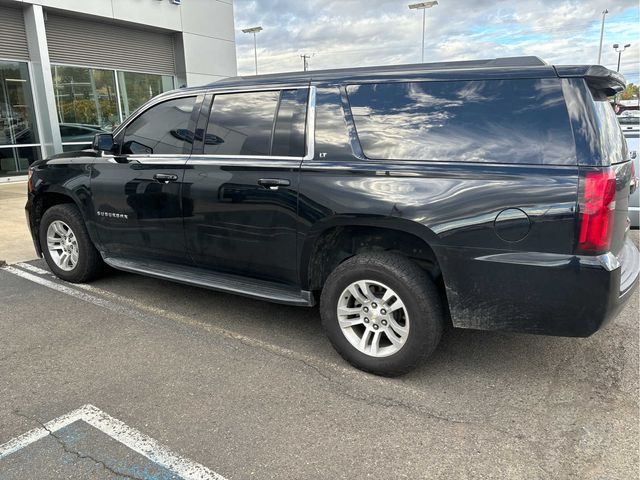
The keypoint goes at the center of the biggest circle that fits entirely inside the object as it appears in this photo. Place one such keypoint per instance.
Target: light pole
(619, 51)
(423, 6)
(254, 30)
(604, 14)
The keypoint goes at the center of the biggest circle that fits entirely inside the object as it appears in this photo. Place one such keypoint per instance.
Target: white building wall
(208, 37)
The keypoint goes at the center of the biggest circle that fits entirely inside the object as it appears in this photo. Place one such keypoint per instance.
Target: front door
(137, 194)
(240, 191)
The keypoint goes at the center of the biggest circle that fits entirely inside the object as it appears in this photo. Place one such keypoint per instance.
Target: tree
(630, 92)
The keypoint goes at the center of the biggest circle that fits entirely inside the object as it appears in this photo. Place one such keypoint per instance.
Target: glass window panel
(17, 120)
(137, 88)
(16, 160)
(241, 123)
(161, 129)
(332, 134)
(502, 121)
(288, 134)
(86, 100)
(612, 141)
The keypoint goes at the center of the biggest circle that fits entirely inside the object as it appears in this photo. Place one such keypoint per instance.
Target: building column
(44, 95)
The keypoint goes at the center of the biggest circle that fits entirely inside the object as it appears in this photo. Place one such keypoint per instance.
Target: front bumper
(33, 228)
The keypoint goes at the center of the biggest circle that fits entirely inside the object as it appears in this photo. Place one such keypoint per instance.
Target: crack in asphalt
(78, 455)
(380, 400)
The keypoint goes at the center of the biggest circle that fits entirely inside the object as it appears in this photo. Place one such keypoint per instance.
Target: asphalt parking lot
(247, 389)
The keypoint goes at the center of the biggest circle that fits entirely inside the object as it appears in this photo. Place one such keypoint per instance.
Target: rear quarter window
(612, 143)
(499, 121)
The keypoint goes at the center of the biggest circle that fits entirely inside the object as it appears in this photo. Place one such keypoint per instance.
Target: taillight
(597, 211)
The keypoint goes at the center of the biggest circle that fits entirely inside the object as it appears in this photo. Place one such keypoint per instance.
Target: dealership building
(72, 68)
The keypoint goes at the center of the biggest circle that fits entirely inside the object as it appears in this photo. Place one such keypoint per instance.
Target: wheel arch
(333, 241)
(43, 201)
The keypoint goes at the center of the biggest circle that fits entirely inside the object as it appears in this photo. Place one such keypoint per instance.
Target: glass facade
(137, 88)
(19, 143)
(88, 101)
(91, 100)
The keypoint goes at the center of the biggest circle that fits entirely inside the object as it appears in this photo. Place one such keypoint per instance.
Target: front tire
(66, 245)
(382, 313)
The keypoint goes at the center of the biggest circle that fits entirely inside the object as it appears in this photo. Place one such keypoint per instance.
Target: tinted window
(612, 141)
(502, 121)
(332, 134)
(241, 123)
(288, 134)
(157, 131)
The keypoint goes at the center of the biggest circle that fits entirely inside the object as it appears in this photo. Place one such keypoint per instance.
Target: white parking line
(144, 312)
(120, 432)
(138, 310)
(33, 268)
(101, 302)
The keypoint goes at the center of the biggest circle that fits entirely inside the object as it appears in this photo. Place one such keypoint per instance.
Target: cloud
(346, 33)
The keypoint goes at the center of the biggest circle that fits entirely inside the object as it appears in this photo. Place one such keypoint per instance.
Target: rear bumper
(551, 294)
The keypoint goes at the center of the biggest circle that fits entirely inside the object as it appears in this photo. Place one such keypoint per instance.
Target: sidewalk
(15, 240)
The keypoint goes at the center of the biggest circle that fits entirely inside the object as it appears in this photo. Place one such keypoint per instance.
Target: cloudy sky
(344, 33)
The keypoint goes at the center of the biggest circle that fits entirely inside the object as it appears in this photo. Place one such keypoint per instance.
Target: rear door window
(288, 133)
(500, 121)
(257, 124)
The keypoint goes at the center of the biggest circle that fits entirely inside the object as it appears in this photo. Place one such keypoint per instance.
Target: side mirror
(103, 142)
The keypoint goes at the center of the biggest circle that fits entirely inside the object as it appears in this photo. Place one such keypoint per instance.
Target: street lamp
(604, 14)
(254, 30)
(422, 6)
(619, 51)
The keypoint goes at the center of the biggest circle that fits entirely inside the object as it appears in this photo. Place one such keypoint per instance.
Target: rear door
(137, 194)
(241, 185)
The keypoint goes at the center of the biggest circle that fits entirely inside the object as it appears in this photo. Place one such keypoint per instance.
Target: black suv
(492, 194)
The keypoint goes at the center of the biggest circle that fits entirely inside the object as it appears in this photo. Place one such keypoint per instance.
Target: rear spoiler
(598, 78)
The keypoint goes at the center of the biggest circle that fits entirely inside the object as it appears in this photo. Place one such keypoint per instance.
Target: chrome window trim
(163, 97)
(160, 159)
(200, 158)
(310, 127)
(245, 159)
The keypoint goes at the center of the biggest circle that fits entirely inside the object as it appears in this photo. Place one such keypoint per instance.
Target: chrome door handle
(274, 183)
(165, 177)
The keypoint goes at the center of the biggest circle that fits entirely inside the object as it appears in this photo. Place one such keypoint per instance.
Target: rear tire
(66, 245)
(360, 299)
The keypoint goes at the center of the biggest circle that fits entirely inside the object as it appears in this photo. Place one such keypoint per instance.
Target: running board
(223, 282)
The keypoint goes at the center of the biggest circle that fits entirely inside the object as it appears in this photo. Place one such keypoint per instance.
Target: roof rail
(506, 62)
(525, 61)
